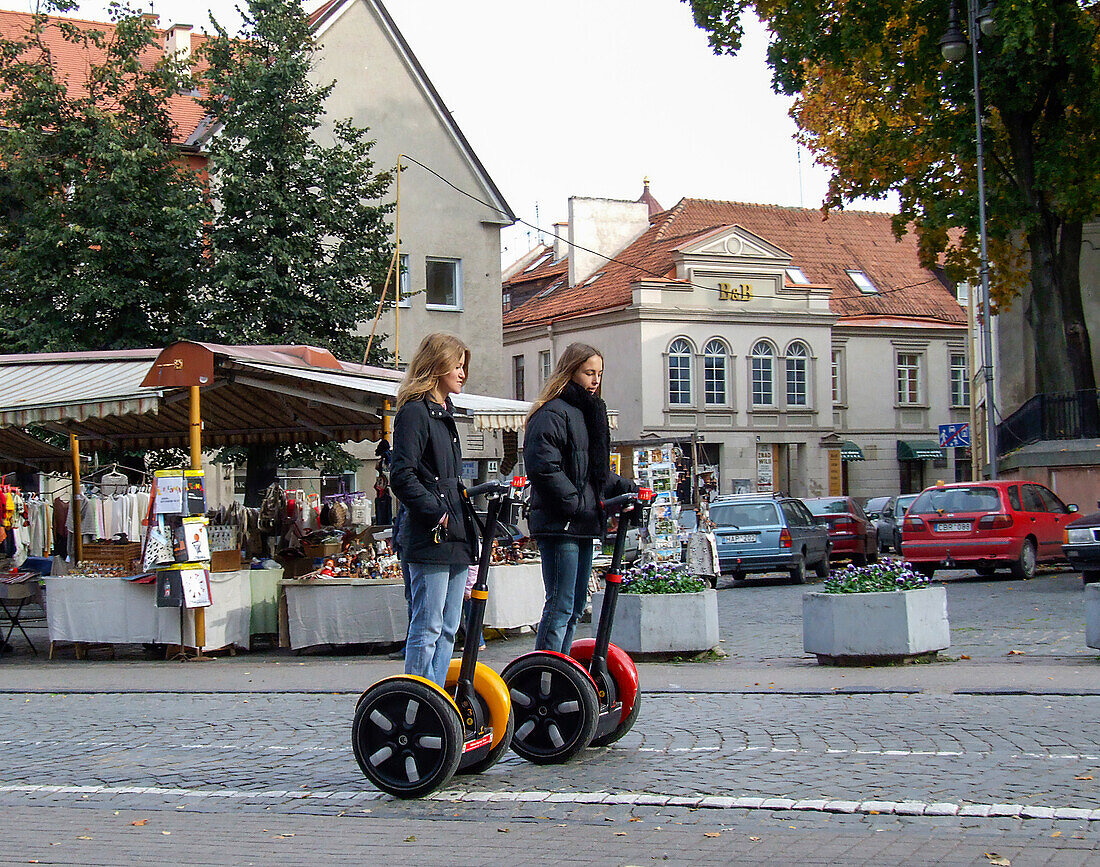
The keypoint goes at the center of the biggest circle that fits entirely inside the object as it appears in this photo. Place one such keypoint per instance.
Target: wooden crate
(225, 561)
(111, 552)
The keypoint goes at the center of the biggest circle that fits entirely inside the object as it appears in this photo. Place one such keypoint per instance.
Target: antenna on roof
(801, 197)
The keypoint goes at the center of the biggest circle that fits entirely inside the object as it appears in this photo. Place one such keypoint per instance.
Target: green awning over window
(849, 451)
(920, 450)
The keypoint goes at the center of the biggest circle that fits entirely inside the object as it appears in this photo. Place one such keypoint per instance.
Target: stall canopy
(919, 450)
(20, 452)
(250, 394)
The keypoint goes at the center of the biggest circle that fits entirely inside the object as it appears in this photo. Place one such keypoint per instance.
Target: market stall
(197, 395)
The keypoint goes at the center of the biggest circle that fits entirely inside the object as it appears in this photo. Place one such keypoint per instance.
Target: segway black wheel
(622, 728)
(407, 737)
(496, 753)
(555, 707)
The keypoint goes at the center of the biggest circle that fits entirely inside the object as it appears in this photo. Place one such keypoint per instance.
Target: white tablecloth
(343, 611)
(516, 596)
(114, 611)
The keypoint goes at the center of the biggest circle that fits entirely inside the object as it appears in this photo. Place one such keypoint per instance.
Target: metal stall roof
(250, 394)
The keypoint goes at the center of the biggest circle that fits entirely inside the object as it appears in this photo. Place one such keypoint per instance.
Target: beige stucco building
(808, 355)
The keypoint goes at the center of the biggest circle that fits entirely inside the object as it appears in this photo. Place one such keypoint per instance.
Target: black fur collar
(599, 432)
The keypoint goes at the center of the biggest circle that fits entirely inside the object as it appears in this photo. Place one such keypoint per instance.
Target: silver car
(889, 522)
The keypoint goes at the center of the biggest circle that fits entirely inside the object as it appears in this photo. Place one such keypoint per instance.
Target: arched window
(763, 374)
(679, 373)
(798, 362)
(714, 373)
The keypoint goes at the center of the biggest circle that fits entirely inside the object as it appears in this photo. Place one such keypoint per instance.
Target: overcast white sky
(587, 98)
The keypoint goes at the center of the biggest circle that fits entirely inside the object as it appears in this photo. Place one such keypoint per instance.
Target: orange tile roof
(73, 61)
(824, 249)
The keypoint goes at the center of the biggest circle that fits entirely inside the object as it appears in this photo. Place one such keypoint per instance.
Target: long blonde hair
(437, 354)
(570, 362)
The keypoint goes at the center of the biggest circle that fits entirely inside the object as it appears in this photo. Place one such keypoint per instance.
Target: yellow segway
(409, 735)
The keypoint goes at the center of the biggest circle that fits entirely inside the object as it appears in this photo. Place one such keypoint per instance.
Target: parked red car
(985, 526)
(854, 537)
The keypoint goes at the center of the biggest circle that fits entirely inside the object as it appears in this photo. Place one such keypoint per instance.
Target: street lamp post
(953, 45)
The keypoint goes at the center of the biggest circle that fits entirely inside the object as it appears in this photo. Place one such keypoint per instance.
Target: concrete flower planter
(869, 628)
(663, 622)
(1092, 615)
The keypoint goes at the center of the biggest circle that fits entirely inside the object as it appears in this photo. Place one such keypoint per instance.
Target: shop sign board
(836, 475)
(765, 468)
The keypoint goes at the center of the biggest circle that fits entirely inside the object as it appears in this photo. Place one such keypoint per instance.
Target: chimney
(178, 42)
(561, 242)
(601, 226)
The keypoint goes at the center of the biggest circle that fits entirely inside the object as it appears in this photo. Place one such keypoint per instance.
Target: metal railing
(1069, 415)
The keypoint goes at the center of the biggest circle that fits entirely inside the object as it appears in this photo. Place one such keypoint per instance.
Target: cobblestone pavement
(818, 779)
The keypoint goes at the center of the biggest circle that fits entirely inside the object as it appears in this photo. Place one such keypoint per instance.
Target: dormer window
(796, 276)
(863, 282)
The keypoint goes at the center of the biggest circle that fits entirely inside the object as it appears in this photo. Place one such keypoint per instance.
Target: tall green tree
(100, 222)
(300, 245)
(879, 106)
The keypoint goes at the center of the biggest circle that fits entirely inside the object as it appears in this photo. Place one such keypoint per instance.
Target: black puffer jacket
(566, 452)
(426, 461)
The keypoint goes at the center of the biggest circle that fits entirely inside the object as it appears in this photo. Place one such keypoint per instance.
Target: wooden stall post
(74, 504)
(196, 464)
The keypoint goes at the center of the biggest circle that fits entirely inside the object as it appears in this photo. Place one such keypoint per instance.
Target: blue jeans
(566, 567)
(436, 608)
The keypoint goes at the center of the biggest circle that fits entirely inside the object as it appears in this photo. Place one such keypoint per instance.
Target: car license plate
(742, 537)
(955, 527)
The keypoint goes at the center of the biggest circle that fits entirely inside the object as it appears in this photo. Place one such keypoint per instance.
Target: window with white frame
(715, 361)
(763, 374)
(544, 367)
(836, 373)
(679, 373)
(960, 391)
(403, 282)
(443, 284)
(798, 363)
(909, 391)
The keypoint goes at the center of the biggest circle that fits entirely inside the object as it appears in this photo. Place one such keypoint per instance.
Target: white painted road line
(300, 748)
(713, 802)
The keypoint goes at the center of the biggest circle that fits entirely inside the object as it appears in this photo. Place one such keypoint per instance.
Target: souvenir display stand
(655, 468)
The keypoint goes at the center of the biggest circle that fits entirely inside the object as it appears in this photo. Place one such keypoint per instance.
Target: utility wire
(638, 268)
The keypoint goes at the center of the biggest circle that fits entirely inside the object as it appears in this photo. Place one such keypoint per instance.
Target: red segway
(409, 735)
(562, 704)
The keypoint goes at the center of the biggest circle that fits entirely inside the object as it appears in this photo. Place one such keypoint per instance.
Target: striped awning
(849, 451)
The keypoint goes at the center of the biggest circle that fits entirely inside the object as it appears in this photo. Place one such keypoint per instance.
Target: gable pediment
(738, 242)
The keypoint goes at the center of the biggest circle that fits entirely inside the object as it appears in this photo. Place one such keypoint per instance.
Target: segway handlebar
(616, 504)
(496, 489)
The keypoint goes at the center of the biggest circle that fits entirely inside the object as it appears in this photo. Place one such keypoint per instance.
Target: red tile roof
(73, 61)
(824, 249)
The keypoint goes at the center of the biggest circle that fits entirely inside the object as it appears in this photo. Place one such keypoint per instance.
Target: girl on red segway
(566, 452)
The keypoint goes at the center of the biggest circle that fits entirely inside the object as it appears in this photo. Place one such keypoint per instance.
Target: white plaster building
(817, 347)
